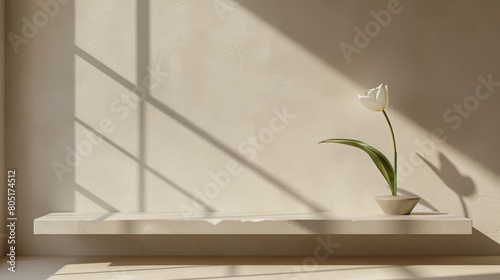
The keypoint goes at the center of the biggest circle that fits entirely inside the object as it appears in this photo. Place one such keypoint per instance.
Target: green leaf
(382, 163)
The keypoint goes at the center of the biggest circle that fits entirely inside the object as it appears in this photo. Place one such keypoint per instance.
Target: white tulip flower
(376, 99)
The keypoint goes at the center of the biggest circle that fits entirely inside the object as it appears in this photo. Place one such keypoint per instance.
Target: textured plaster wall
(121, 105)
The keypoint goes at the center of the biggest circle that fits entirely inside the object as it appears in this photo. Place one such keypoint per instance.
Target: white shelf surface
(251, 223)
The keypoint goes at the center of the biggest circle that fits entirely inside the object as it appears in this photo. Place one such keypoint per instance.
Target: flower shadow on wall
(460, 184)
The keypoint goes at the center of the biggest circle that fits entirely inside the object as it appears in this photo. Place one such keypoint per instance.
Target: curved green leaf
(382, 163)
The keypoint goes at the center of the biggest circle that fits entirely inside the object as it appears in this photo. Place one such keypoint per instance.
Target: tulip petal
(371, 93)
(370, 103)
(382, 98)
(386, 97)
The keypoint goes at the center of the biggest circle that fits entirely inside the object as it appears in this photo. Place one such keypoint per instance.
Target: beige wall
(224, 69)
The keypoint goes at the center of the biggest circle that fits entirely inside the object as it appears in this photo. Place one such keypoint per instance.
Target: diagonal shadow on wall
(430, 53)
(197, 130)
(144, 166)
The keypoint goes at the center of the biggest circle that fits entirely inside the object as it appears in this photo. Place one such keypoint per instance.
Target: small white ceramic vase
(397, 205)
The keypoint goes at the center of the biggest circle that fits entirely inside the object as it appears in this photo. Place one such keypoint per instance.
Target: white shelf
(251, 223)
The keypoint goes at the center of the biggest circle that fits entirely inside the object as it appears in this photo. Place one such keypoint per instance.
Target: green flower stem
(395, 190)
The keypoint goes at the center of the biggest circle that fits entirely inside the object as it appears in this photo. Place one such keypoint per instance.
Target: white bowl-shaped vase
(397, 205)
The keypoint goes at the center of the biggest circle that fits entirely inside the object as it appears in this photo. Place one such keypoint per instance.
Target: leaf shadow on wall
(462, 185)
(434, 55)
